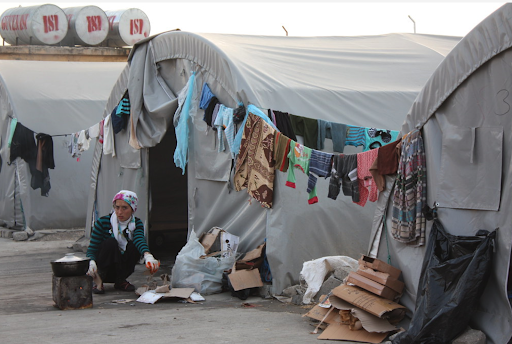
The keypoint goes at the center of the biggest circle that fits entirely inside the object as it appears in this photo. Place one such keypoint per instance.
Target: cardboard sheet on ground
(151, 296)
(370, 322)
(371, 303)
(342, 332)
(318, 313)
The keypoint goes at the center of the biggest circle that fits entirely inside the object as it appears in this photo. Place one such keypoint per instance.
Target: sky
(300, 18)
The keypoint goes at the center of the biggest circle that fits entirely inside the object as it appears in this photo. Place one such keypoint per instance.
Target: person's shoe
(124, 286)
(97, 290)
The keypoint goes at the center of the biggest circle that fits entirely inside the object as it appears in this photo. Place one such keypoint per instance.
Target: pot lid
(70, 257)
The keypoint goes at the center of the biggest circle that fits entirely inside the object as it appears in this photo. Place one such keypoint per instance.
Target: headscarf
(129, 197)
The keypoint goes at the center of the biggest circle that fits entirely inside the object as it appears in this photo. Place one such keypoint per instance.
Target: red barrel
(127, 27)
(88, 25)
(40, 25)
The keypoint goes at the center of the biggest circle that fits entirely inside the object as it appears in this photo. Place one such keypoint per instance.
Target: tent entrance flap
(168, 189)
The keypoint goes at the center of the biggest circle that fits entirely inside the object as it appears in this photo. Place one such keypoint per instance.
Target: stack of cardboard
(362, 312)
(245, 273)
(377, 277)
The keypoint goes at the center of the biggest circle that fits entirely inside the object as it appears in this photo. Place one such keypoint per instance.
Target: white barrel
(40, 25)
(88, 25)
(127, 27)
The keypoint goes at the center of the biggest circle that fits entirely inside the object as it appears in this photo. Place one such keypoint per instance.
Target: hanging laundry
(206, 96)
(182, 127)
(272, 116)
(367, 186)
(320, 165)
(121, 114)
(254, 168)
(299, 157)
(307, 128)
(83, 141)
(284, 124)
(214, 115)
(408, 221)
(44, 161)
(386, 163)
(101, 127)
(208, 113)
(344, 173)
(255, 111)
(108, 137)
(73, 146)
(281, 150)
(23, 145)
(94, 131)
(224, 124)
(375, 138)
(337, 132)
(239, 114)
(14, 122)
(356, 136)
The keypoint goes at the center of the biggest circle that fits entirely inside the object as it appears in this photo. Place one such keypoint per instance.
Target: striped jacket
(103, 230)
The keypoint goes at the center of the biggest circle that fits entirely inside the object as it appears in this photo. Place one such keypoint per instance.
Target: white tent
(367, 81)
(54, 98)
(463, 112)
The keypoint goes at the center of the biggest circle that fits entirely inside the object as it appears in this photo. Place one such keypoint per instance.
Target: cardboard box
(220, 242)
(381, 277)
(342, 332)
(371, 286)
(379, 265)
(244, 279)
(373, 304)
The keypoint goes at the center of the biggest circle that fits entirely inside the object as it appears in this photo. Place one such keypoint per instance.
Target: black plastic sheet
(453, 277)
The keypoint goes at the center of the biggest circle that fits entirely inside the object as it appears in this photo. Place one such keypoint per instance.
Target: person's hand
(93, 269)
(151, 263)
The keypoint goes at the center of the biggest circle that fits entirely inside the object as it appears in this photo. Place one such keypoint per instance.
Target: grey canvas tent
(464, 114)
(367, 81)
(54, 98)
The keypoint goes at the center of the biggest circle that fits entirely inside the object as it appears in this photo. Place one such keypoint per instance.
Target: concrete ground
(28, 314)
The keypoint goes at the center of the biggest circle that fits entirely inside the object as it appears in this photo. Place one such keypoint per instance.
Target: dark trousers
(114, 266)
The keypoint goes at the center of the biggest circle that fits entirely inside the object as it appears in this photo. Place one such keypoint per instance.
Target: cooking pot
(70, 265)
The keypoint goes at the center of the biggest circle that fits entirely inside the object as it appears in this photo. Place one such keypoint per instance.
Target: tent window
(471, 168)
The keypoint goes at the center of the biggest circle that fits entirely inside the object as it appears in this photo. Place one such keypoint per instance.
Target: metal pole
(284, 30)
(414, 23)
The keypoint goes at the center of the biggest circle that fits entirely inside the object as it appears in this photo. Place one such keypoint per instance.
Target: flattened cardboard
(208, 239)
(254, 254)
(370, 322)
(371, 286)
(342, 332)
(379, 265)
(243, 279)
(381, 277)
(318, 313)
(371, 303)
(181, 293)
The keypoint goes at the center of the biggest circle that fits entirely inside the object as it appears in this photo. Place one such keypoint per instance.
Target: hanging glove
(93, 269)
(151, 263)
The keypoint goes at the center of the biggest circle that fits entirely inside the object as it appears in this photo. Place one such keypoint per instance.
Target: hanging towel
(367, 186)
(94, 131)
(337, 132)
(182, 129)
(254, 168)
(108, 137)
(408, 221)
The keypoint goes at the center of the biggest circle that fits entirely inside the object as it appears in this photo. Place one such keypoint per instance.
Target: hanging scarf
(123, 231)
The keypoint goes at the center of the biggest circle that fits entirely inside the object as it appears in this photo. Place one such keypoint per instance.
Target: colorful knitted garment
(408, 221)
